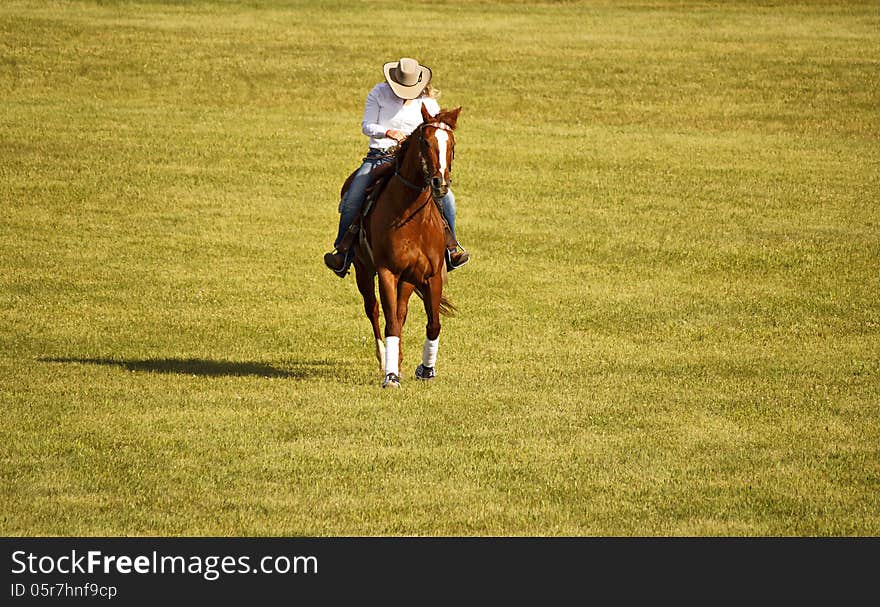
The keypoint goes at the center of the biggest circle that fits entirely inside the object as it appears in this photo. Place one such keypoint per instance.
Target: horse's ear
(426, 115)
(450, 117)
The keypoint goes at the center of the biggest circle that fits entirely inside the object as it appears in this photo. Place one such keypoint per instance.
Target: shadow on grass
(208, 368)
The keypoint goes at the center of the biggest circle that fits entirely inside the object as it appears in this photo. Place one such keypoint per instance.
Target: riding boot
(341, 260)
(455, 258)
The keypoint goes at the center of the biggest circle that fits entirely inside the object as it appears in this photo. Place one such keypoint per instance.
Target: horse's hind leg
(432, 295)
(367, 286)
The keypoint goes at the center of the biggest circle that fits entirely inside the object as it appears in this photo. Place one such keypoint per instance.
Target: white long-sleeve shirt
(385, 111)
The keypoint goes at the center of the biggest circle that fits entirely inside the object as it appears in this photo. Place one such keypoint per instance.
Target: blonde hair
(430, 91)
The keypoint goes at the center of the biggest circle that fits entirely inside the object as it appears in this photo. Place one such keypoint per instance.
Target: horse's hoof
(391, 381)
(425, 373)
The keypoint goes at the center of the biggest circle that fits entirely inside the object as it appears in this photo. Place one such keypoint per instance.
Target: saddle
(380, 176)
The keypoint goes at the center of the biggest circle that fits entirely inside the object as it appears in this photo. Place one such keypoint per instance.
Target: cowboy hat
(406, 77)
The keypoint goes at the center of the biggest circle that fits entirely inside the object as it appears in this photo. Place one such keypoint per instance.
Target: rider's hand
(395, 135)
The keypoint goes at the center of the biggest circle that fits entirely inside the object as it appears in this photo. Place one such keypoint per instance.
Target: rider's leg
(351, 203)
(457, 257)
(349, 207)
(448, 206)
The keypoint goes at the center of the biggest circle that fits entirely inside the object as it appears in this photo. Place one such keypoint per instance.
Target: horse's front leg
(388, 296)
(432, 296)
(404, 292)
(366, 282)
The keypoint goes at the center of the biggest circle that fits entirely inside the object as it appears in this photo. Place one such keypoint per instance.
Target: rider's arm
(370, 124)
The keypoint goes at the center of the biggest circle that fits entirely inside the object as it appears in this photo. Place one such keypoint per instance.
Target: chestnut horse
(403, 243)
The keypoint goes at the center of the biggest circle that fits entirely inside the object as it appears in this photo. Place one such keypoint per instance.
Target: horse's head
(438, 149)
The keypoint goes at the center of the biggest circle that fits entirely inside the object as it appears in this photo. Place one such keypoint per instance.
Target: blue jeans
(353, 201)
(447, 205)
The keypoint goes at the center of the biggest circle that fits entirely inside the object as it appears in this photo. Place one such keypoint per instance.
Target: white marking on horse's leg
(380, 354)
(442, 141)
(429, 352)
(392, 353)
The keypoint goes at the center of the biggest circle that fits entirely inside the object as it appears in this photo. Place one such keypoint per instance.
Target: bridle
(426, 171)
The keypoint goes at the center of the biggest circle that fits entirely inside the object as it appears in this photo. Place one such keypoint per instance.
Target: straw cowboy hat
(406, 77)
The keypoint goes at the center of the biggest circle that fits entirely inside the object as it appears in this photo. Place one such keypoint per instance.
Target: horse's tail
(447, 308)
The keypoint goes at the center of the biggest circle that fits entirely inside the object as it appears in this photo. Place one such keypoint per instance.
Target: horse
(403, 243)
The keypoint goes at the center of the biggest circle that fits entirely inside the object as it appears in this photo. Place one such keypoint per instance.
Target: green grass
(669, 327)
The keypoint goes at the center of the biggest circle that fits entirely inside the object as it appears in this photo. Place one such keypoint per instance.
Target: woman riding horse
(393, 111)
(403, 244)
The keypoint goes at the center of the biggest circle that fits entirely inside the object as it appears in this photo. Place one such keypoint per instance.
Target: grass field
(669, 327)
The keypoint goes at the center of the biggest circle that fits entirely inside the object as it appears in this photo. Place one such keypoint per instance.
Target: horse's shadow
(201, 367)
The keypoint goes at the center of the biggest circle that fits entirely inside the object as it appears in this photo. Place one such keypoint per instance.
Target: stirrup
(465, 256)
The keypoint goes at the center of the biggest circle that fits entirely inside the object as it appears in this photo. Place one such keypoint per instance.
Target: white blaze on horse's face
(440, 179)
(442, 142)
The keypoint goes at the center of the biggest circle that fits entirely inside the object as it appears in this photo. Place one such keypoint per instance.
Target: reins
(409, 183)
(437, 125)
